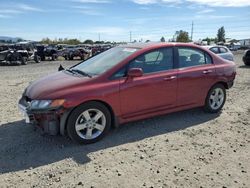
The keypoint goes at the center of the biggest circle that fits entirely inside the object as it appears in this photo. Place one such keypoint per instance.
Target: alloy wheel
(216, 98)
(90, 124)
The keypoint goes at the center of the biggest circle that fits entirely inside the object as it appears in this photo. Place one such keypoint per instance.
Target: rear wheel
(54, 57)
(24, 60)
(37, 59)
(89, 123)
(215, 99)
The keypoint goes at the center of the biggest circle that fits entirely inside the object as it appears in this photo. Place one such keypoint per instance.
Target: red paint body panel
(193, 84)
(148, 93)
(140, 97)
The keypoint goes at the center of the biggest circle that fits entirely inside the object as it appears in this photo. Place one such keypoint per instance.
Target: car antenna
(60, 68)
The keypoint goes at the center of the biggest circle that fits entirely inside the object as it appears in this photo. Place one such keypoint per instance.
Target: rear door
(195, 76)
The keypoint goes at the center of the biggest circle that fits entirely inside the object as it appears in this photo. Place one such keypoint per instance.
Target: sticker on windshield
(129, 50)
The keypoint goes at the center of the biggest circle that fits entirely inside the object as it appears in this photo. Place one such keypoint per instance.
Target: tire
(71, 57)
(246, 60)
(24, 60)
(89, 130)
(215, 99)
(43, 58)
(54, 57)
(246, 63)
(37, 59)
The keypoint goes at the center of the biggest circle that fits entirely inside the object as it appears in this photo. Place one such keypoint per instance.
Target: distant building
(245, 43)
(232, 44)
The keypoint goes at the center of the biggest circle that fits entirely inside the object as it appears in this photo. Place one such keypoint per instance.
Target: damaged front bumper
(46, 119)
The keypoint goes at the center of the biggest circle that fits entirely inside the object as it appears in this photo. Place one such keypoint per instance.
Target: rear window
(223, 50)
(215, 50)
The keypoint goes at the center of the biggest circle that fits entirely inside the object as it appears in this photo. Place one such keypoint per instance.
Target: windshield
(105, 61)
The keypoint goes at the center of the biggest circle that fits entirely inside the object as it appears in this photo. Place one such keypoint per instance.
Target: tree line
(179, 36)
(183, 36)
(72, 41)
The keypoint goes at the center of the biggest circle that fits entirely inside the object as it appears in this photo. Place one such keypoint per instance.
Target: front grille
(25, 101)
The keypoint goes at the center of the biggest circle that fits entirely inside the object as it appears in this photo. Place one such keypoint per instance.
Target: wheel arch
(64, 118)
(219, 82)
(225, 84)
(206, 107)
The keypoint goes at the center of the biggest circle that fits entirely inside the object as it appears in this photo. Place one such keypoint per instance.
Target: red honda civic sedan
(127, 83)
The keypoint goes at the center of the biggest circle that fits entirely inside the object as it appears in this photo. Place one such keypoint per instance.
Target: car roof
(213, 46)
(157, 45)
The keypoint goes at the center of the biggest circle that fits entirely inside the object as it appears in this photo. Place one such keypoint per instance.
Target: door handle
(169, 78)
(207, 71)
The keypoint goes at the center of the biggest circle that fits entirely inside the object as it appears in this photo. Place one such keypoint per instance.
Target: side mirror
(60, 68)
(135, 72)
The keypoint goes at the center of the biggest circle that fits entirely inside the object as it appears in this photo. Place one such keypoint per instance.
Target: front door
(155, 90)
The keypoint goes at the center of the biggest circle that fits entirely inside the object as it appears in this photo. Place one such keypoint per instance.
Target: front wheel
(215, 99)
(89, 123)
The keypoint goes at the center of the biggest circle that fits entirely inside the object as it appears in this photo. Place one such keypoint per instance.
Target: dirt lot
(184, 149)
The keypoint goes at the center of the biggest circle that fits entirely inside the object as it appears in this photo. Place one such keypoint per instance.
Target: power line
(192, 31)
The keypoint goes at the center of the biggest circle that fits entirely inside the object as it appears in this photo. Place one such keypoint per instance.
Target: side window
(208, 59)
(154, 56)
(215, 50)
(189, 57)
(223, 50)
(154, 61)
(119, 74)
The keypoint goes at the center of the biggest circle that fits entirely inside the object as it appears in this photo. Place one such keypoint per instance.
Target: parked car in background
(221, 51)
(124, 84)
(72, 51)
(99, 48)
(8, 56)
(50, 51)
(246, 57)
(18, 54)
(28, 51)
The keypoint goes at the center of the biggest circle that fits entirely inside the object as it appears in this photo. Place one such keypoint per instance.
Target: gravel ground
(184, 149)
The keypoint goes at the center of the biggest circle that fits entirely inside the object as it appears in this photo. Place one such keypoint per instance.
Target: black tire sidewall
(53, 57)
(75, 114)
(247, 63)
(37, 59)
(207, 103)
(24, 60)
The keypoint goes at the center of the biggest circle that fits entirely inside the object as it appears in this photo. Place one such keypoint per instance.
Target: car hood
(54, 83)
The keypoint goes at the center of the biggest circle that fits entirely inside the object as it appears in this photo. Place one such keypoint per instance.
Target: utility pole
(192, 31)
(99, 36)
(130, 33)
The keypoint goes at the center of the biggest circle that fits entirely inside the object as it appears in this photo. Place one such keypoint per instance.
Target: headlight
(44, 104)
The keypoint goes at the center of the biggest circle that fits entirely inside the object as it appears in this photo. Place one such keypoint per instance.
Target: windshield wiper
(81, 72)
(69, 70)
